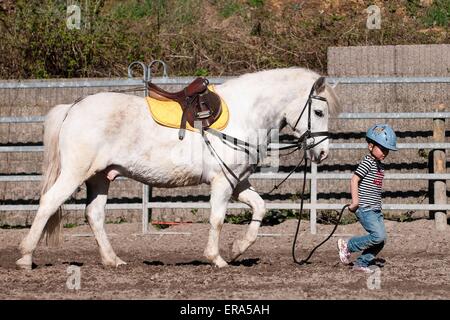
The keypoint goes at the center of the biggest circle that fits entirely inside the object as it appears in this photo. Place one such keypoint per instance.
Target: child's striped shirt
(371, 173)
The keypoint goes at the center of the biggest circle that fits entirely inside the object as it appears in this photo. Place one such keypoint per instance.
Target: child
(365, 186)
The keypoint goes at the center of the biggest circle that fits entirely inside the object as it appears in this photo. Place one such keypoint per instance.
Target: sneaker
(363, 269)
(378, 262)
(344, 254)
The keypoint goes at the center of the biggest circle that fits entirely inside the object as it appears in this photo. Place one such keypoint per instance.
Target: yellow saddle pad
(168, 113)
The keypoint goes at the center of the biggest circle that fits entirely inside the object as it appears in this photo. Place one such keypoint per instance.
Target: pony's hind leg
(246, 194)
(220, 195)
(63, 188)
(97, 194)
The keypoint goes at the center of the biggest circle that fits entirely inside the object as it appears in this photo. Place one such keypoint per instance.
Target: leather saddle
(198, 103)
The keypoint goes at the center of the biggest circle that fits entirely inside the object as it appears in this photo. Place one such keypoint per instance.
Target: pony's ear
(319, 85)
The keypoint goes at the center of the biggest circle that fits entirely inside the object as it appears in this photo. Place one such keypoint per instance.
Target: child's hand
(353, 207)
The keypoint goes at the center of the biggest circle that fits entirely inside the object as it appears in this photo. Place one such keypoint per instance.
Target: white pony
(109, 134)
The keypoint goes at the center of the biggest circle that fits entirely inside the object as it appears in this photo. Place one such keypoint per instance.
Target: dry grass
(194, 37)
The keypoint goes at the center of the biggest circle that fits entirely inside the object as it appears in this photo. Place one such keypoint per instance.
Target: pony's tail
(52, 168)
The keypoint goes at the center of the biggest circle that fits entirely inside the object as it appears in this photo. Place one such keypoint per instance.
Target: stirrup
(203, 114)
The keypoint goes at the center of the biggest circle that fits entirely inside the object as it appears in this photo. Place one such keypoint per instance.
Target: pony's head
(311, 111)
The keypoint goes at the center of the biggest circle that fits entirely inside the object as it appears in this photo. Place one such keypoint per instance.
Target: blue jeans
(372, 243)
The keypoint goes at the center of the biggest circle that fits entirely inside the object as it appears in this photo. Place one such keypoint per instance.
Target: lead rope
(304, 261)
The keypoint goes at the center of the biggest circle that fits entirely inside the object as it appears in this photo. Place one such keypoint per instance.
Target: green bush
(39, 41)
(331, 216)
(70, 225)
(272, 217)
(194, 37)
(242, 218)
(230, 8)
(438, 14)
(136, 10)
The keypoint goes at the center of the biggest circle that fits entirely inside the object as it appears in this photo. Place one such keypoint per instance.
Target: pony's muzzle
(318, 157)
(323, 155)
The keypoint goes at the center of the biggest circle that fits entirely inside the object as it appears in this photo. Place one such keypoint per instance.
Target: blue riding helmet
(383, 135)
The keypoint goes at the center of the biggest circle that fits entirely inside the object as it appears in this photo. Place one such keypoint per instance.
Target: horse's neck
(259, 105)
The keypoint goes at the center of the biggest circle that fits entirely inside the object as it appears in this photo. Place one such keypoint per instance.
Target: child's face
(378, 152)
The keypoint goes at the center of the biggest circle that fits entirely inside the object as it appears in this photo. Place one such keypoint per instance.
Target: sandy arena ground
(173, 266)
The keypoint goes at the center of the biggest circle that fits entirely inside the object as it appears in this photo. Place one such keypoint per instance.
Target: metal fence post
(145, 197)
(439, 166)
(313, 191)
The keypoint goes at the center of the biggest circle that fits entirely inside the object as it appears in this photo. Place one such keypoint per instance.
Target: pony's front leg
(248, 196)
(220, 195)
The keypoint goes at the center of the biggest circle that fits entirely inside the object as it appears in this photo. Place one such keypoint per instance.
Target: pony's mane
(334, 106)
(280, 74)
(297, 74)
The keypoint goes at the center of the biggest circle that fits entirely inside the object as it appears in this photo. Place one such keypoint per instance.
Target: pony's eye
(319, 113)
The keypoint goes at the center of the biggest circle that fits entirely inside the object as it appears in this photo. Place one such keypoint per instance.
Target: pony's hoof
(120, 262)
(220, 263)
(113, 262)
(24, 263)
(235, 249)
